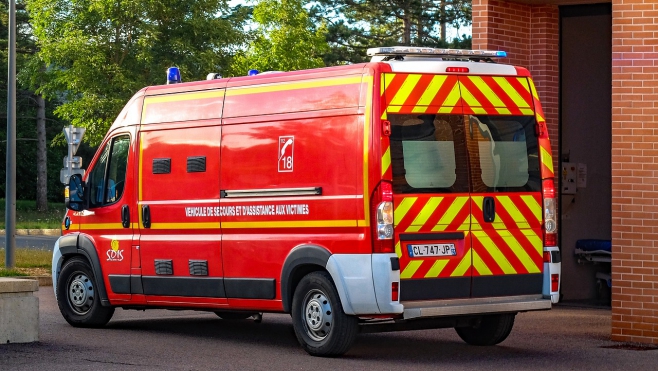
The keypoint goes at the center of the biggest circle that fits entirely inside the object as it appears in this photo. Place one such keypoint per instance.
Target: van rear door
(432, 207)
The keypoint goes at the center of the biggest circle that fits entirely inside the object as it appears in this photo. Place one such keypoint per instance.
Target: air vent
(161, 165)
(196, 164)
(198, 267)
(164, 267)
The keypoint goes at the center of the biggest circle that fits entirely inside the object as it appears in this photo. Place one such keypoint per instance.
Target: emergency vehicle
(413, 191)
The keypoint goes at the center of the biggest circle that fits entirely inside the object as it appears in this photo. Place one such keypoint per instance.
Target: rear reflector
(395, 291)
(547, 256)
(555, 282)
(457, 69)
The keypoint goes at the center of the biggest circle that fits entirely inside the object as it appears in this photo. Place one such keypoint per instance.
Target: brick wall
(635, 170)
(529, 35)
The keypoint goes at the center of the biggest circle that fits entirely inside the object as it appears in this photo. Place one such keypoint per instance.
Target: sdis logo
(114, 255)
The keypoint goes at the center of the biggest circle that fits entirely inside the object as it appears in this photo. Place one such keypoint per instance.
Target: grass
(28, 217)
(28, 262)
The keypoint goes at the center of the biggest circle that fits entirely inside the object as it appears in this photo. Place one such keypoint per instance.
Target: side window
(428, 153)
(107, 179)
(504, 153)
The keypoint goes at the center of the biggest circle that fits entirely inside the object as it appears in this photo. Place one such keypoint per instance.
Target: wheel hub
(81, 294)
(318, 317)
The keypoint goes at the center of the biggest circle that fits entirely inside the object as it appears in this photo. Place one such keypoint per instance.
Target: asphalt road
(33, 242)
(565, 338)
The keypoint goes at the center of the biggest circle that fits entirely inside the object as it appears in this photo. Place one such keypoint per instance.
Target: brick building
(596, 70)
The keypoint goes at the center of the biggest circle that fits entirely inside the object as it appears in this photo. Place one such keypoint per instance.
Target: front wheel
(491, 330)
(321, 326)
(77, 296)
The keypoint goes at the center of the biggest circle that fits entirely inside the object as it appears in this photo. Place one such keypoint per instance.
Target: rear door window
(504, 153)
(428, 153)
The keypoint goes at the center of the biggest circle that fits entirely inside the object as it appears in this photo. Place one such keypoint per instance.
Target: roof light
(420, 51)
(173, 75)
(252, 73)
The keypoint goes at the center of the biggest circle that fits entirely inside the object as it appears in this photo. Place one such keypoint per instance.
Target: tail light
(382, 215)
(547, 256)
(550, 222)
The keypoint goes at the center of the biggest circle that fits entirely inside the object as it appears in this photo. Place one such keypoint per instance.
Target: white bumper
(364, 283)
(56, 265)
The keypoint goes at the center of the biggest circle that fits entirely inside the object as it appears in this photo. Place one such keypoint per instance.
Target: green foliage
(28, 217)
(355, 25)
(285, 39)
(98, 53)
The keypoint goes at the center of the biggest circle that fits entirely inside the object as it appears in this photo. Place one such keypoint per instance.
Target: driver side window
(107, 179)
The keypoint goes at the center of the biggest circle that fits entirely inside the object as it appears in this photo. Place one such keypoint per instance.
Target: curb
(35, 232)
(43, 280)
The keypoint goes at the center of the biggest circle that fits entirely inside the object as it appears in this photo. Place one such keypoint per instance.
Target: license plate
(434, 249)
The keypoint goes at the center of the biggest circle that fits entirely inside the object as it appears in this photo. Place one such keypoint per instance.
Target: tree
(285, 39)
(98, 53)
(355, 25)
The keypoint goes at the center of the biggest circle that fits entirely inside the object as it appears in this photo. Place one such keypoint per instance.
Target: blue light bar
(434, 52)
(173, 75)
(252, 73)
(501, 54)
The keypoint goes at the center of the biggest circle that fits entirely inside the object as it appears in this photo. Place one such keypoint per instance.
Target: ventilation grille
(198, 267)
(164, 267)
(161, 165)
(196, 164)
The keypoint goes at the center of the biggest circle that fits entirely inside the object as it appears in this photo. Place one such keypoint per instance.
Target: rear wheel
(321, 326)
(77, 296)
(491, 330)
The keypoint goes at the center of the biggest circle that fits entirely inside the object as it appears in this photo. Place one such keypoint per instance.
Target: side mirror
(76, 194)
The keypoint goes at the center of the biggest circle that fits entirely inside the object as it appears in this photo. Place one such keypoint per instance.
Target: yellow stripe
(503, 111)
(141, 158)
(495, 253)
(437, 268)
(463, 266)
(433, 88)
(101, 226)
(181, 97)
(468, 97)
(450, 214)
(519, 252)
(535, 240)
(486, 90)
(527, 111)
(475, 226)
(206, 225)
(533, 205)
(466, 225)
(398, 249)
(480, 266)
(366, 145)
(512, 93)
(424, 214)
(386, 160)
(293, 86)
(452, 99)
(291, 224)
(532, 89)
(405, 90)
(546, 158)
(410, 269)
(402, 209)
(513, 211)
(388, 77)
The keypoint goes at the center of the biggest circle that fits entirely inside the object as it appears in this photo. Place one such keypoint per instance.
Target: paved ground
(565, 338)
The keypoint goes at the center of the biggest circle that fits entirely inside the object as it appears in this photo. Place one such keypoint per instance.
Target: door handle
(489, 209)
(146, 216)
(125, 216)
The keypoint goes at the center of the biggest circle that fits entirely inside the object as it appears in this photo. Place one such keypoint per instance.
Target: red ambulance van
(414, 191)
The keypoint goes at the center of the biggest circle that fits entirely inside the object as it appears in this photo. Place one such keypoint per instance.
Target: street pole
(10, 195)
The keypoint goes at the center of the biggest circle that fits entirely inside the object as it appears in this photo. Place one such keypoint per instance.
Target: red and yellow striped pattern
(451, 94)
(512, 244)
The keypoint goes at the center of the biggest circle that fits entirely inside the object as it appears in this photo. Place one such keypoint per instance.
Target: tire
(321, 326)
(77, 296)
(231, 315)
(491, 330)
